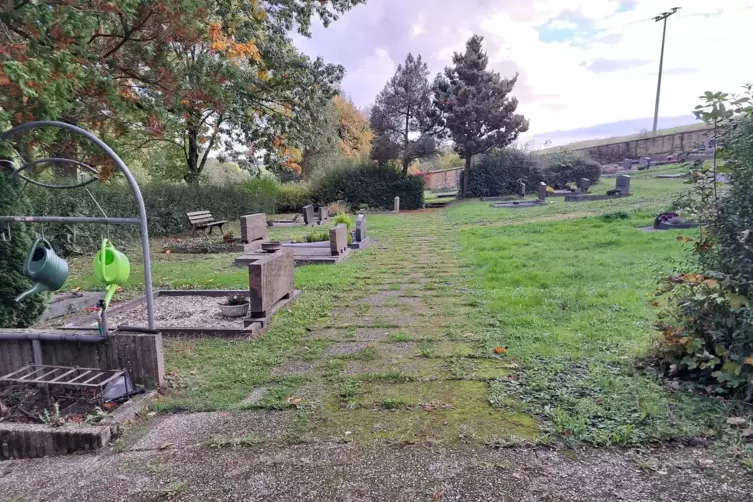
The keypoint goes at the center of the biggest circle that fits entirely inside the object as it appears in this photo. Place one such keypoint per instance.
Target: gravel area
(179, 312)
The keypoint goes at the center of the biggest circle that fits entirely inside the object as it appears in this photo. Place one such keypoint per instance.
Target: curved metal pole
(131, 182)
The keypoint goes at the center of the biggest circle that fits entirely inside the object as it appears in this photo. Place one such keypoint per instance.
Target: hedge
(166, 207)
(13, 201)
(368, 184)
(499, 172)
(291, 197)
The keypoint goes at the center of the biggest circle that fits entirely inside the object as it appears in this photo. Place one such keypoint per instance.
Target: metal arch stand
(140, 220)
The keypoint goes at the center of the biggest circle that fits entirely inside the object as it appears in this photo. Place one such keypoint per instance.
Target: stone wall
(654, 146)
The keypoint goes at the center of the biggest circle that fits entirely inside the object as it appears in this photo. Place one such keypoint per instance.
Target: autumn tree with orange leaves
(196, 76)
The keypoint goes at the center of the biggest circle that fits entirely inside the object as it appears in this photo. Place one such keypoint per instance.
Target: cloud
(609, 65)
(580, 62)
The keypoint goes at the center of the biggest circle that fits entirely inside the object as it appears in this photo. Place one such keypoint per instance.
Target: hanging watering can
(111, 267)
(46, 270)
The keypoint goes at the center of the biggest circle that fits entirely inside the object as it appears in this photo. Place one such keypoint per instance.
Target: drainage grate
(63, 375)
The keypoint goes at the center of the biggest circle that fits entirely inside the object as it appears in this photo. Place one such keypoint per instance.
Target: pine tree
(13, 201)
(400, 118)
(474, 106)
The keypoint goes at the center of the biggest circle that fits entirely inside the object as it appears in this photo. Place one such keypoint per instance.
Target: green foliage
(499, 172)
(12, 256)
(565, 167)
(474, 104)
(343, 218)
(166, 208)
(400, 118)
(291, 197)
(369, 184)
(707, 323)
(316, 236)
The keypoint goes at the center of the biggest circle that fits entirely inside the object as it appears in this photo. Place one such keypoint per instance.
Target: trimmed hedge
(13, 201)
(499, 172)
(565, 167)
(291, 197)
(166, 208)
(368, 184)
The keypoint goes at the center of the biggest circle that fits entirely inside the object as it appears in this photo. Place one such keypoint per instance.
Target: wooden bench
(203, 220)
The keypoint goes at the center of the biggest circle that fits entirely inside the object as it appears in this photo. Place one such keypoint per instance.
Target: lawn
(417, 322)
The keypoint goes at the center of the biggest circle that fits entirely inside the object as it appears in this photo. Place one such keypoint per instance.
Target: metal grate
(63, 375)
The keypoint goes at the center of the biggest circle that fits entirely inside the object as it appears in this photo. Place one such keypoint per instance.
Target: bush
(13, 201)
(343, 218)
(166, 207)
(499, 172)
(708, 322)
(291, 197)
(559, 169)
(369, 184)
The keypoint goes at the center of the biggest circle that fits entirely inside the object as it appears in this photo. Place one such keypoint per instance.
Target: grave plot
(361, 240)
(330, 251)
(622, 189)
(525, 203)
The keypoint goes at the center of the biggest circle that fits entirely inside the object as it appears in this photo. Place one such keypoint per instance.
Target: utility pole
(661, 17)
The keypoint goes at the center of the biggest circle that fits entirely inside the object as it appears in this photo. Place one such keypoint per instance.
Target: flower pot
(234, 310)
(271, 247)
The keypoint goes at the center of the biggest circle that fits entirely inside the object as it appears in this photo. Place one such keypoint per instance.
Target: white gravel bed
(178, 312)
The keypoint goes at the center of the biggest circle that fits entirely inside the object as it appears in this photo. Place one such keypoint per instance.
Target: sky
(580, 62)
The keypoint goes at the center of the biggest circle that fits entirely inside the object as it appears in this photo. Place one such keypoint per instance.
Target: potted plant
(235, 306)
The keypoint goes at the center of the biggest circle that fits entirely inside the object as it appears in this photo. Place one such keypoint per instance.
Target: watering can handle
(103, 259)
(27, 263)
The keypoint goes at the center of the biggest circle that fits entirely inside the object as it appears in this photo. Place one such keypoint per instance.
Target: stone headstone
(338, 239)
(522, 189)
(397, 204)
(644, 163)
(542, 191)
(627, 164)
(623, 184)
(254, 230)
(585, 184)
(309, 217)
(322, 212)
(361, 228)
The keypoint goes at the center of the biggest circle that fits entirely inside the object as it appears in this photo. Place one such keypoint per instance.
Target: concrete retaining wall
(647, 147)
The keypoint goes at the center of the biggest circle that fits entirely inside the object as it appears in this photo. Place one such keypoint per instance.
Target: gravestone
(585, 184)
(522, 189)
(270, 279)
(627, 164)
(397, 204)
(542, 192)
(623, 184)
(322, 212)
(361, 228)
(338, 239)
(254, 230)
(309, 217)
(644, 163)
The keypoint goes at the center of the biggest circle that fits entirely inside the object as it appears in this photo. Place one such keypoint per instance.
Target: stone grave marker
(623, 184)
(322, 212)
(542, 192)
(338, 239)
(309, 217)
(644, 163)
(397, 204)
(254, 230)
(585, 184)
(627, 164)
(522, 189)
(361, 228)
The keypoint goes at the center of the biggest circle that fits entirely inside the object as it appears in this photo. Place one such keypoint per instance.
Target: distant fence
(446, 179)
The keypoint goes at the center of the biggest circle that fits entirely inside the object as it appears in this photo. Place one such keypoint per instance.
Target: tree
(474, 106)
(195, 73)
(13, 201)
(400, 118)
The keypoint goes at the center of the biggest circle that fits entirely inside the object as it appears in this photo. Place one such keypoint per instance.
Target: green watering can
(111, 267)
(46, 270)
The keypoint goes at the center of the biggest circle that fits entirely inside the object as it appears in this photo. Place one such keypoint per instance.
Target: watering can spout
(109, 293)
(37, 288)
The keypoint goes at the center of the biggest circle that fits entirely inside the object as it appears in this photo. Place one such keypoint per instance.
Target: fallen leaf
(704, 462)
(151, 414)
(746, 433)
(736, 421)
(167, 251)
(712, 283)
(683, 238)
(598, 400)
(428, 407)
(120, 289)
(438, 494)
(295, 401)
(748, 360)
(165, 446)
(109, 406)
(500, 350)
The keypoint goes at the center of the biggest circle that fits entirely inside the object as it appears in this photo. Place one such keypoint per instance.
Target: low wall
(647, 147)
(139, 353)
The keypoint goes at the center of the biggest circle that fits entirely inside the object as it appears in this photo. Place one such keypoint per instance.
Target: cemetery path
(386, 399)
